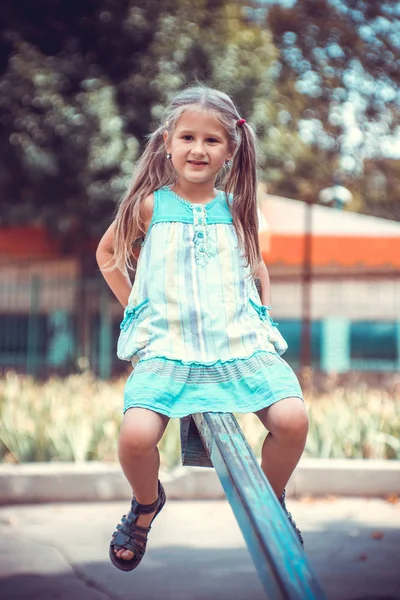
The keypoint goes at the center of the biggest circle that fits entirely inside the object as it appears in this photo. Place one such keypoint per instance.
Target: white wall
(355, 299)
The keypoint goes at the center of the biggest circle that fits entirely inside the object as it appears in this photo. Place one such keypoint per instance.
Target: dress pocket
(273, 334)
(135, 331)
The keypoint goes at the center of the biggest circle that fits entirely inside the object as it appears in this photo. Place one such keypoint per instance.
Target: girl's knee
(294, 427)
(136, 441)
(140, 431)
(290, 421)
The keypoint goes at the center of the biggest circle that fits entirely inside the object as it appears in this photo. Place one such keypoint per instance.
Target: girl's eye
(189, 137)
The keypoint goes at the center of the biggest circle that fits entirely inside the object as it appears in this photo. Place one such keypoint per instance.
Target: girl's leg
(140, 432)
(287, 423)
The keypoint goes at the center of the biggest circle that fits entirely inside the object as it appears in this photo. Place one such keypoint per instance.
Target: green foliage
(77, 419)
(354, 424)
(76, 107)
(82, 84)
(341, 50)
(339, 64)
(378, 191)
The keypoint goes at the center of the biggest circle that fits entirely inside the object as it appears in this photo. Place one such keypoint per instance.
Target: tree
(340, 70)
(83, 84)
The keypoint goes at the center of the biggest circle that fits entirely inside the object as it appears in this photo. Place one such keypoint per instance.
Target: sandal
(132, 537)
(291, 520)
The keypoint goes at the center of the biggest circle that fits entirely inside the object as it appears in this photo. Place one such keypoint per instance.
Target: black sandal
(132, 537)
(291, 520)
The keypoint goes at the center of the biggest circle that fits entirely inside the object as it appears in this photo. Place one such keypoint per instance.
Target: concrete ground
(195, 552)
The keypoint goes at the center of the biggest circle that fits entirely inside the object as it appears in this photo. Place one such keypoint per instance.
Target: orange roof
(338, 237)
(30, 241)
(334, 250)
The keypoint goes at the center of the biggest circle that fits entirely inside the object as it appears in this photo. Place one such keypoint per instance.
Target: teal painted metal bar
(215, 439)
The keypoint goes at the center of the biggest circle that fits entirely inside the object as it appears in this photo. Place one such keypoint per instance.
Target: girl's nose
(198, 148)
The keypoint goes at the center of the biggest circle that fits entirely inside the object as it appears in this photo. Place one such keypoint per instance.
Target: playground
(289, 159)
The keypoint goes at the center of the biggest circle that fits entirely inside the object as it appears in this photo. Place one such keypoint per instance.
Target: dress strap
(156, 207)
(167, 207)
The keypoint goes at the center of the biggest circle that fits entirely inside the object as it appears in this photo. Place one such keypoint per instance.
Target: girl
(194, 326)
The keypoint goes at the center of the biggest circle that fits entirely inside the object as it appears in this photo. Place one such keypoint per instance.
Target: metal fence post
(335, 348)
(32, 355)
(105, 338)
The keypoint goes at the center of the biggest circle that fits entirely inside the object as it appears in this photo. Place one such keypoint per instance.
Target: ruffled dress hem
(180, 388)
(240, 410)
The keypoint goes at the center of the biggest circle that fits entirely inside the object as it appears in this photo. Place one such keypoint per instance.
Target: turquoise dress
(194, 327)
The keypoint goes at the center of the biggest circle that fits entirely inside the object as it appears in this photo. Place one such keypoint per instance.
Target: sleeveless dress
(194, 327)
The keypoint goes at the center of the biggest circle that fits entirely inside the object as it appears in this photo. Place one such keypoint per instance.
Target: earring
(228, 163)
(169, 156)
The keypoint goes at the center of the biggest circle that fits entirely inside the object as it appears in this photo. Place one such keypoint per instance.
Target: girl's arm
(263, 276)
(118, 280)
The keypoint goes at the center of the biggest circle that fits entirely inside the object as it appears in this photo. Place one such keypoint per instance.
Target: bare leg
(140, 432)
(287, 423)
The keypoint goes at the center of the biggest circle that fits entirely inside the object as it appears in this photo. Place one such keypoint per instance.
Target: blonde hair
(154, 171)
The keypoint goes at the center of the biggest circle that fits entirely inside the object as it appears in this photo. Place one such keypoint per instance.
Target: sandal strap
(126, 542)
(138, 529)
(145, 509)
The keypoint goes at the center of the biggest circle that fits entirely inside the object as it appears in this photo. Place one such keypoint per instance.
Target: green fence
(59, 326)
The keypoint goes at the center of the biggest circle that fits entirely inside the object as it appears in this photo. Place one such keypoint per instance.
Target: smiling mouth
(197, 162)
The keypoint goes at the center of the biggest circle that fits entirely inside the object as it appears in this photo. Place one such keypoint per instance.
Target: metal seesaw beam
(215, 439)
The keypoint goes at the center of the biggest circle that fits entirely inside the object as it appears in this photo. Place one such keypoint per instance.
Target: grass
(77, 419)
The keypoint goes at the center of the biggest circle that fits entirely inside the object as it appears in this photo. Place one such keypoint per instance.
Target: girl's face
(199, 146)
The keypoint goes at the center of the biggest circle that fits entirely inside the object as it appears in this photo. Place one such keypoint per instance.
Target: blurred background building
(54, 320)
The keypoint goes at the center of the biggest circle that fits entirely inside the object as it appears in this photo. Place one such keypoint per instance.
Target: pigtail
(242, 183)
(153, 171)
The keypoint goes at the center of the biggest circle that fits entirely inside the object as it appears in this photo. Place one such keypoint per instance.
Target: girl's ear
(166, 140)
(232, 151)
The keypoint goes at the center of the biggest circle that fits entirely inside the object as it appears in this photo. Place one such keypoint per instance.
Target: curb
(97, 481)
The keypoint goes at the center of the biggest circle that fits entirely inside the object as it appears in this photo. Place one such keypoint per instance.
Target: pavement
(195, 551)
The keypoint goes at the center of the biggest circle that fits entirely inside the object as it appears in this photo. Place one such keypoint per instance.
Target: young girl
(194, 326)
